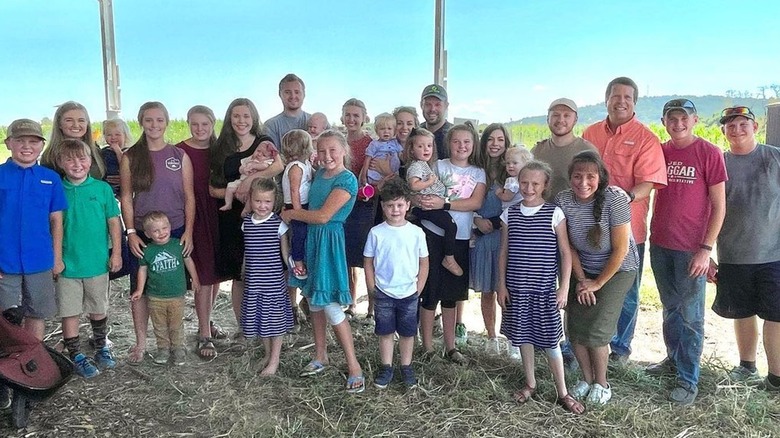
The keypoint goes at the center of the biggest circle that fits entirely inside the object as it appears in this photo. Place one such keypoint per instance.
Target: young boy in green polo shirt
(91, 219)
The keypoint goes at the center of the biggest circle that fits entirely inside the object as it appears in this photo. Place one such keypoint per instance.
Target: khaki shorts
(76, 296)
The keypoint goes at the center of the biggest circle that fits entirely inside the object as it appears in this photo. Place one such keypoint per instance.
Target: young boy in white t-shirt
(396, 266)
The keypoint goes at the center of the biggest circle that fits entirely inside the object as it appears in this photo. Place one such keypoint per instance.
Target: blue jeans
(621, 342)
(683, 299)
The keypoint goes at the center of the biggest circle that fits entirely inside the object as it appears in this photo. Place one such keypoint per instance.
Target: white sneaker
(580, 390)
(493, 346)
(599, 395)
(514, 353)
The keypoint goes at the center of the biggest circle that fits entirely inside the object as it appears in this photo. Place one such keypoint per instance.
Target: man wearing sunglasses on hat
(687, 217)
(748, 277)
(635, 162)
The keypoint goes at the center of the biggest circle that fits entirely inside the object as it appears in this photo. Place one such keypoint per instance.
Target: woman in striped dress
(532, 236)
(265, 307)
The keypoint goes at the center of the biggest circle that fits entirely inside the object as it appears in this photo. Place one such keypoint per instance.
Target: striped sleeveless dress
(265, 310)
(531, 317)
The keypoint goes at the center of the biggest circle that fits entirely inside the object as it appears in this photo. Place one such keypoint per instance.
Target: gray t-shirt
(281, 124)
(751, 229)
(559, 158)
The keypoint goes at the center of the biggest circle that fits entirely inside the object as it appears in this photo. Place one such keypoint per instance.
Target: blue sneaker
(105, 359)
(407, 373)
(384, 377)
(84, 367)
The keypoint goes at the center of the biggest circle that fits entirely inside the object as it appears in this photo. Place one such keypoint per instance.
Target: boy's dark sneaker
(104, 359)
(84, 366)
(407, 374)
(384, 376)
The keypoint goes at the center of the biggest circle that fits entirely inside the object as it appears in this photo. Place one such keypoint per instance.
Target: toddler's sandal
(356, 384)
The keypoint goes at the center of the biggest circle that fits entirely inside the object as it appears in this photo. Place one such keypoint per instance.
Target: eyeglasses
(679, 104)
(737, 111)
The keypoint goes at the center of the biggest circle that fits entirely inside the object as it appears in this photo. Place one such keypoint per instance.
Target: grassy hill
(648, 109)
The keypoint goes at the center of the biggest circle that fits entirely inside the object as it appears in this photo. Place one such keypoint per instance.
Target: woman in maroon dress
(201, 121)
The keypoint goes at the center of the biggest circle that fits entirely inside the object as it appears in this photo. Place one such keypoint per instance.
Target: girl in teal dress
(331, 198)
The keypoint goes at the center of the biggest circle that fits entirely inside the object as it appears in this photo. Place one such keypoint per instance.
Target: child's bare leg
(405, 349)
(272, 355)
(448, 318)
(352, 274)
(70, 327)
(527, 353)
(555, 361)
(386, 345)
(320, 341)
(140, 310)
(426, 328)
(343, 333)
(203, 305)
(236, 296)
(266, 352)
(229, 194)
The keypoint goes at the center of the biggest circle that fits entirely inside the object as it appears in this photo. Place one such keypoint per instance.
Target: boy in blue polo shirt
(92, 217)
(31, 205)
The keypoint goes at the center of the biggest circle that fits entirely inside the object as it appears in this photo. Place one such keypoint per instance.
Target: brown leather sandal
(571, 404)
(524, 394)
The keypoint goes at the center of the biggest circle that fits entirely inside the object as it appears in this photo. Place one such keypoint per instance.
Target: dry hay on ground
(226, 397)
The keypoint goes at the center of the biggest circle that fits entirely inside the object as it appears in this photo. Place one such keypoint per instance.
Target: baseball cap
(565, 102)
(22, 127)
(436, 91)
(679, 104)
(735, 111)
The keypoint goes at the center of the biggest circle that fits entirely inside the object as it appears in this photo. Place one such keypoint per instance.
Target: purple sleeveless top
(167, 191)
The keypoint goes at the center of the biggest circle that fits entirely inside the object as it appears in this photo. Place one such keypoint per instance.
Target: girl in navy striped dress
(533, 235)
(265, 308)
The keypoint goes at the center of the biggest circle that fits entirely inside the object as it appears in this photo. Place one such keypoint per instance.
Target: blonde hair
(383, 120)
(520, 152)
(121, 125)
(332, 133)
(49, 156)
(154, 216)
(296, 145)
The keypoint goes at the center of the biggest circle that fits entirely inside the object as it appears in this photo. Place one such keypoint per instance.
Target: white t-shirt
(308, 171)
(557, 217)
(460, 182)
(397, 252)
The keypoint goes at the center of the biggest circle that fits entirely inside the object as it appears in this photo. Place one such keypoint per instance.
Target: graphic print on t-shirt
(164, 262)
(458, 186)
(677, 172)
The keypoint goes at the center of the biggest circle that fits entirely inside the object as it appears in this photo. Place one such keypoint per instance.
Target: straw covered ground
(227, 397)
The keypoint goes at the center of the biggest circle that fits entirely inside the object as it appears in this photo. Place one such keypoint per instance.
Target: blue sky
(507, 58)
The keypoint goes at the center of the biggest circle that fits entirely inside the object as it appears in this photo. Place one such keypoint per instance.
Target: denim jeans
(621, 342)
(683, 299)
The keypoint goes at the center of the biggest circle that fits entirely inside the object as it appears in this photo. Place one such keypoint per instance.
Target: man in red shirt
(635, 162)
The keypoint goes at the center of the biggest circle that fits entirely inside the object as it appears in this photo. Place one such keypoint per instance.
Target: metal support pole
(773, 124)
(110, 68)
(439, 53)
